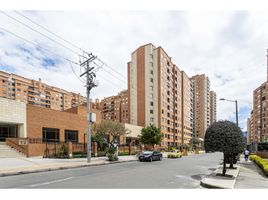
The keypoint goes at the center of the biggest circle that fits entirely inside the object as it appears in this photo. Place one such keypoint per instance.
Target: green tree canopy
(151, 135)
(111, 128)
(226, 137)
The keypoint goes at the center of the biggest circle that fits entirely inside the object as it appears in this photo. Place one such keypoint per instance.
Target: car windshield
(147, 152)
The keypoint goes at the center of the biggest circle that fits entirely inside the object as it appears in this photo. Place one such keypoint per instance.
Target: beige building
(12, 119)
(213, 107)
(37, 93)
(159, 94)
(201, 105)
(250, 138)
(116, 107)
(260, 113)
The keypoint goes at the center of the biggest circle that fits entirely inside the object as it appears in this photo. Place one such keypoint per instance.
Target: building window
(51, 135)
(151, 103)
(152, 80)
(151, 112)
(71, 136)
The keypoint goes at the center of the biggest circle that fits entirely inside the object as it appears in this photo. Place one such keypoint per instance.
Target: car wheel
(160, 158)
(151, 159)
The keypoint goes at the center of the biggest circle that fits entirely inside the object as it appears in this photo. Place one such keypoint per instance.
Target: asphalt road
(185, 172)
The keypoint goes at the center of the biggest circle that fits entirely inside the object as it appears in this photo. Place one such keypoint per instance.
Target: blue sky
(228, 46)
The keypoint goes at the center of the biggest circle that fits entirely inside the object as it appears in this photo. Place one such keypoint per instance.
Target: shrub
(123, 153)
(262, 163)
(112, 154)
(112, 157)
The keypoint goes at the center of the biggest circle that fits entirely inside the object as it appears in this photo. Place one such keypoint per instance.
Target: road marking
(49, 182)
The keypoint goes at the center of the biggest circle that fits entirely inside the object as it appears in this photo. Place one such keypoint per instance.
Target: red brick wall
(38, 117)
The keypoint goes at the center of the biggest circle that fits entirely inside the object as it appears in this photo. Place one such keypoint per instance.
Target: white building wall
(13, 112)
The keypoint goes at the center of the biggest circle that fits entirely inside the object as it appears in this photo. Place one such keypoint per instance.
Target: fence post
(70, 149)
(95, 149)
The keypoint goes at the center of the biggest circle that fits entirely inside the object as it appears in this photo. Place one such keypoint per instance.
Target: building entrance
(8, 131)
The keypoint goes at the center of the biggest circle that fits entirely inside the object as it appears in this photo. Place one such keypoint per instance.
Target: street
(185, 172)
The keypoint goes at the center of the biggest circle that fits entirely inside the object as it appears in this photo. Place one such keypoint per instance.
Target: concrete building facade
(12, 119)
(201, 105)
(160, 94)
(213, 107)
(260, 113)
(37, 93)
(116, 108)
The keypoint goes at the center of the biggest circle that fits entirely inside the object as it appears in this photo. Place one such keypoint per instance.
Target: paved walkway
(13, 166)
(251, 176)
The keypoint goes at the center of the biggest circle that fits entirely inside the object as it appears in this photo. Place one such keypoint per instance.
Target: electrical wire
(70, 43)
(18, 21)
(37, 45)
(103, 63)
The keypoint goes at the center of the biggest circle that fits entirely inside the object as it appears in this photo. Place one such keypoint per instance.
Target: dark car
(150, 156)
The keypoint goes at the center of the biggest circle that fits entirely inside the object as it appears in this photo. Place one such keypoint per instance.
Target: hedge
(262, 163)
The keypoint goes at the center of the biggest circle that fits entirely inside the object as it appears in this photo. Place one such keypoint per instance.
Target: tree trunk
(232, 161)
(224, 164)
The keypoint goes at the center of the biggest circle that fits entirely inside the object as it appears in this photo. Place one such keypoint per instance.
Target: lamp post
(236, 110)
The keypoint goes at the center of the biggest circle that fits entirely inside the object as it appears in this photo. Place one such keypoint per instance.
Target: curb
(210, 186)
(62, 168)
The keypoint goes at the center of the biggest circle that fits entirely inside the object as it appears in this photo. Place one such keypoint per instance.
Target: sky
(228, 46)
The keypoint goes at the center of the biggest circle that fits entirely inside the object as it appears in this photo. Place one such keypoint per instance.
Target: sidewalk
(251, 176)
(15, 166)
(247, 175)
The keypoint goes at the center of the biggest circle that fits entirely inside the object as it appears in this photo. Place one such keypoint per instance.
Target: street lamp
(236, 111)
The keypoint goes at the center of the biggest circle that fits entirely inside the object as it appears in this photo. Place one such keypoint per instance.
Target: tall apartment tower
(260, 113)
(213, 107)
(157, 95)
(201, 105)
(37, 93)
(116, 108)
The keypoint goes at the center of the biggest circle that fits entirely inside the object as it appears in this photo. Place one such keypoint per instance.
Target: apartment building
(260, 113)
(159, 94)
(116, 107)
(250, 135)
(187, 108)
(37, 93)
(213, 107)
(201, 105)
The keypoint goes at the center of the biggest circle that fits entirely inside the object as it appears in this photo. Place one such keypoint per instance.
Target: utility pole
(90, 83)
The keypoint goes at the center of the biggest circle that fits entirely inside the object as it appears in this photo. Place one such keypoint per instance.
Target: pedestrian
(246, 153)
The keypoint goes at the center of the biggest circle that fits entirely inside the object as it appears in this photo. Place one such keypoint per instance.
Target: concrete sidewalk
(15, 166)
(247, 175)
(251, 176)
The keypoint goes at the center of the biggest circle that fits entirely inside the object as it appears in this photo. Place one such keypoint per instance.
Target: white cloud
(229, 47)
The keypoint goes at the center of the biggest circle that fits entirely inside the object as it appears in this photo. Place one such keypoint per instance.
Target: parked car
(150, 156)
(175, 154)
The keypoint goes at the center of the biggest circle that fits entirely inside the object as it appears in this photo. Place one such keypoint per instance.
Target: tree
(151, 135)
(110, 128)
(226, 137)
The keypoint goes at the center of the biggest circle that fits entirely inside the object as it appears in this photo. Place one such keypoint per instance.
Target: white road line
(47, 183)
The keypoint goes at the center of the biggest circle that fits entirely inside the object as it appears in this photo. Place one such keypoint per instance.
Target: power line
(114, 76)
(112, 69)
(37, 45)
(40, 33)
(109, 81)
(59, 38)
(50, 32)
